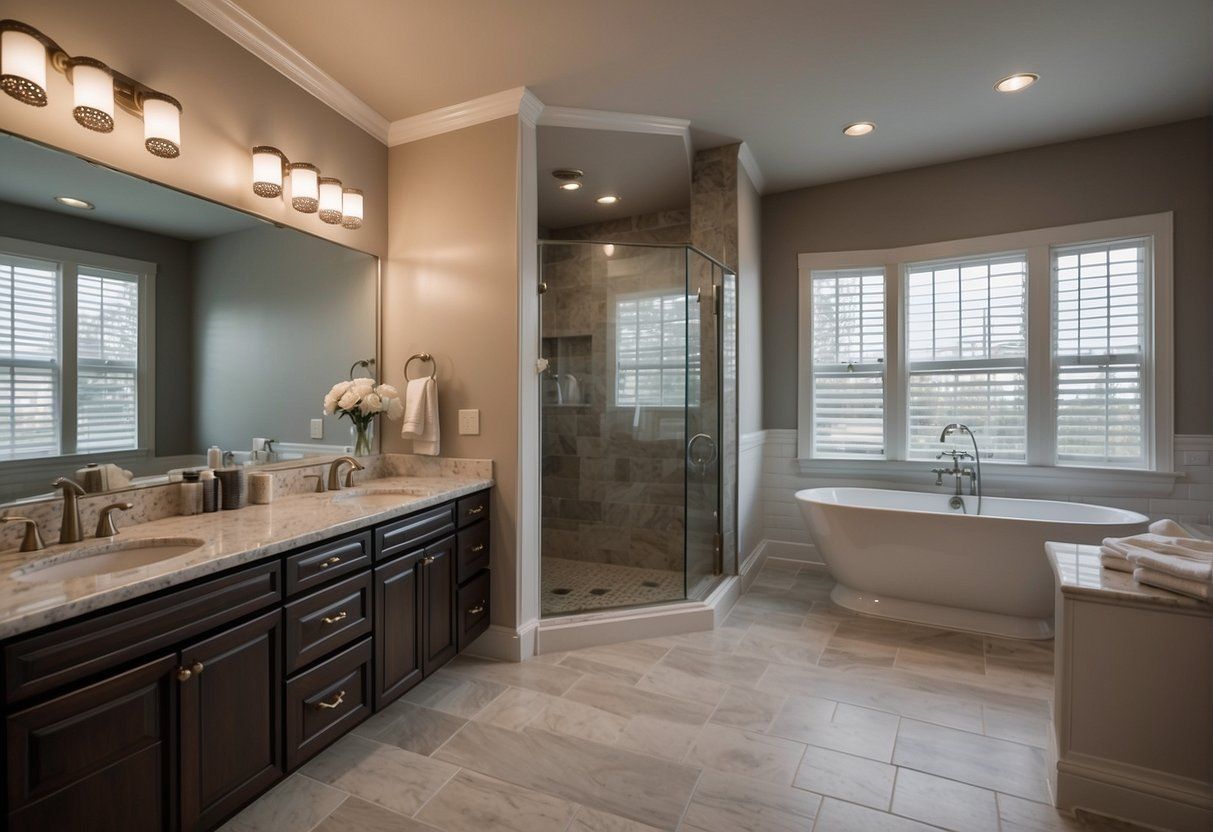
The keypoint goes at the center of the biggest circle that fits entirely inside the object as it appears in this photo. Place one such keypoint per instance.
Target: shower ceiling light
(570, 186)
(859, 128)
(24, 54)
(569, 178)
(72, 202)
(310, 193)
(608, 199)
(1018, 81)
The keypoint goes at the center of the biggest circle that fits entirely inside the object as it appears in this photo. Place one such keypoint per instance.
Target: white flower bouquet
(362, 400)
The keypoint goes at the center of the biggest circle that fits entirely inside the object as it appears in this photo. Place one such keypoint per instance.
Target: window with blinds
(966, 351)
(848, 352)
(42, 377)
(656, 350)
(1100, 333)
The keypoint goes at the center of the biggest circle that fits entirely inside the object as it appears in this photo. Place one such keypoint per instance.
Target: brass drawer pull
(336, 703)
(333, 619)
(197, 668)
(327, 562)
(428, 560)
(479, 547)
(184, 674)
(477, 510)
(476, 610)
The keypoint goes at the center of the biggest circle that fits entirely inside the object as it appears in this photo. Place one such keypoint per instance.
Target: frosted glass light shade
(162, 126)
(330, 200)
(23, 67)
(305, 187)
(93, 90)
(267, 171)
(351, 208)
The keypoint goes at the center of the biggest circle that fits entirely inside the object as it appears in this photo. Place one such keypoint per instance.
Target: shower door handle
(696, 447)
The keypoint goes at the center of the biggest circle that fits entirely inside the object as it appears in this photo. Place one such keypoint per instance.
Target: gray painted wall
(279, 318)
(1167, 168)
(174, 347)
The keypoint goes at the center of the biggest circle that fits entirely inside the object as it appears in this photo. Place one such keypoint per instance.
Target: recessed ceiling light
(570, 178)
(72, 202)
(859, 128)
(1018, 81)
(570, 186)
(609, 199)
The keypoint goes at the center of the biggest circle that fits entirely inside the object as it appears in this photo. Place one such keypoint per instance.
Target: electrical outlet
(469, 422)
(317, 431)
(1196, 458)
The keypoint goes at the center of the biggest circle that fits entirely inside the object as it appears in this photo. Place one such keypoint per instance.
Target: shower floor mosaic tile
(577, 586)
(794, 716)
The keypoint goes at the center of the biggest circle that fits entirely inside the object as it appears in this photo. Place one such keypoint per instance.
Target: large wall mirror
(139, 326)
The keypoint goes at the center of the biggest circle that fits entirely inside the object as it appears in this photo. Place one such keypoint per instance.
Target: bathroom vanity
(173, 708)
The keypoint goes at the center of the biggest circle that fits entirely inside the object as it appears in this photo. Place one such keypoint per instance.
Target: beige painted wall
(231, 101)
(450, 287)
(1167, 168)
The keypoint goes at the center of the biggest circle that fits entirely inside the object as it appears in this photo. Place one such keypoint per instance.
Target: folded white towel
(1110, 559)
(421, 416)
(1191, 569)
(1193, 589)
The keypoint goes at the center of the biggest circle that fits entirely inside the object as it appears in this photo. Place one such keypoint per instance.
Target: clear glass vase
(362, 437)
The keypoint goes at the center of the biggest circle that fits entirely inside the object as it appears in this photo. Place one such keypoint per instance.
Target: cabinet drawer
(321, 564)
(412, 531)
(327, 619)
(473, 508)
(73, 651)
(473, 609)
(473, 550)
(325, 702)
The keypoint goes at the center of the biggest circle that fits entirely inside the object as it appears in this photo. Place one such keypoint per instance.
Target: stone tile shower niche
(631, 420)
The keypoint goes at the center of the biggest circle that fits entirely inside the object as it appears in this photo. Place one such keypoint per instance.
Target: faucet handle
(319, 489)
(32, 542)
(105, 523)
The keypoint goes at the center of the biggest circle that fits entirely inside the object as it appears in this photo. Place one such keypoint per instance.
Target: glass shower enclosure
(638, 386)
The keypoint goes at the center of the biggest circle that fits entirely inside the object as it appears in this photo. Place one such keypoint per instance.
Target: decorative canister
(261, 488)
(231, 488)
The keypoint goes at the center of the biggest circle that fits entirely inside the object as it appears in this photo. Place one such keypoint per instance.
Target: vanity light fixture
(72, 202)
(569, 178)
(351, 208)
(859, 128)
(609, 249)
(269, 169)
(330, 200)
(608, 199)
(24, 54)
(1018, 81)
(305, 187)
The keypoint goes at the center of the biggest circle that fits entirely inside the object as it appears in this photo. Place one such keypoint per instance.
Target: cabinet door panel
(101, 757)
(231, 720)
(438, 608)
(398, 627)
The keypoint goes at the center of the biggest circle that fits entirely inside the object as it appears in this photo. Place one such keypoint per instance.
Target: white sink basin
(384, 495)
(107, 558)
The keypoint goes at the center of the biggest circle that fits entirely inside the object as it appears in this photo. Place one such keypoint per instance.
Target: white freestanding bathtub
(906, 555)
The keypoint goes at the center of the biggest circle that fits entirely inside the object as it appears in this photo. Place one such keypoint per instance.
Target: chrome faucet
(974, 474)
(335, 472)
(69, 524)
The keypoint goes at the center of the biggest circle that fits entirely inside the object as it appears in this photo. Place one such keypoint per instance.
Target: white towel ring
(420, 356)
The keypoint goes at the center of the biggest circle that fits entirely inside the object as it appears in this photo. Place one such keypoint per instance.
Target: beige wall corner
(231, 101)
(450, 288)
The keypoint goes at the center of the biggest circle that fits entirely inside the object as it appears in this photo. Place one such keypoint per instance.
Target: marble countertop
(231, 538)
(1079, 573)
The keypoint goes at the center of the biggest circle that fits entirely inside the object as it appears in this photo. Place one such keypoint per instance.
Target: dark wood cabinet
(398, 627)
(231, 719)
(438, 629)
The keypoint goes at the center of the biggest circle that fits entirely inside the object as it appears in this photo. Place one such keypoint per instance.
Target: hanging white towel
(1193, 589)
(421, 416)
(572, 389)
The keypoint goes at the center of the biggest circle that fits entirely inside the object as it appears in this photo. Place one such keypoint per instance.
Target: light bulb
(22, 64)
(1018, 81)
(330, 200)
(161, 125)
(305, 187)
(93, 90)
(859, 128)
(351, 208)
(267, 171)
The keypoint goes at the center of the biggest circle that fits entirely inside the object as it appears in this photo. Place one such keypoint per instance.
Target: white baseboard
(787, 550)
(1148, 800)
(505, 644)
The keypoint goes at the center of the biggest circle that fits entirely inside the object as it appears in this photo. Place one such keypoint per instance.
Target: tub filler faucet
(957, 471)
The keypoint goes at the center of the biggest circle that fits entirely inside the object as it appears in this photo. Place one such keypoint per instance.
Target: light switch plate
(1196, 457)
(469, 422)
(317, 431)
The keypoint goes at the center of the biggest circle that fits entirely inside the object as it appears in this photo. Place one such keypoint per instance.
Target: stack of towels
(1169, 556)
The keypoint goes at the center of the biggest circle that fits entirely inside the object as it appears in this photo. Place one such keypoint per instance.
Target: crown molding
(518, 101)
(622, 122)
(267, 45)
(746, 157)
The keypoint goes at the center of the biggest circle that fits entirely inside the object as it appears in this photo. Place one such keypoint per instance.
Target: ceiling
(649, 173)
(784, 76)
(34, 175)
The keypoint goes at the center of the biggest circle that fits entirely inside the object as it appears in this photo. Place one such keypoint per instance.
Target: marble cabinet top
(231, 538)
(1079, 573)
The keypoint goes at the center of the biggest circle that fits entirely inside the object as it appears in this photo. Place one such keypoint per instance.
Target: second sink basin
(385, 495)
(106, 558)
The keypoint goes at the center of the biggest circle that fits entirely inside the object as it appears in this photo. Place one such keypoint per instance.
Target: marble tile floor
(795, 716)
(570, 586)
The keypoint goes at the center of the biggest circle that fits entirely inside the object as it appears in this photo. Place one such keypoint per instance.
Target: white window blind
(656, 350)
(1100, 334)
(966, 337)
(848, 346)
(29, 353)
(107, 365)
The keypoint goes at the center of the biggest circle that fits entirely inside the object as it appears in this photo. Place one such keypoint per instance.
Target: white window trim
(70, 260)
(613, 347)
(1038, 243)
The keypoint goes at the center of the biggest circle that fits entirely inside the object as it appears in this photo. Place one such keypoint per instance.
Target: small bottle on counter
(210, 491)
(191, 493)
(214, 457)
(231, 488)
(261, 488)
